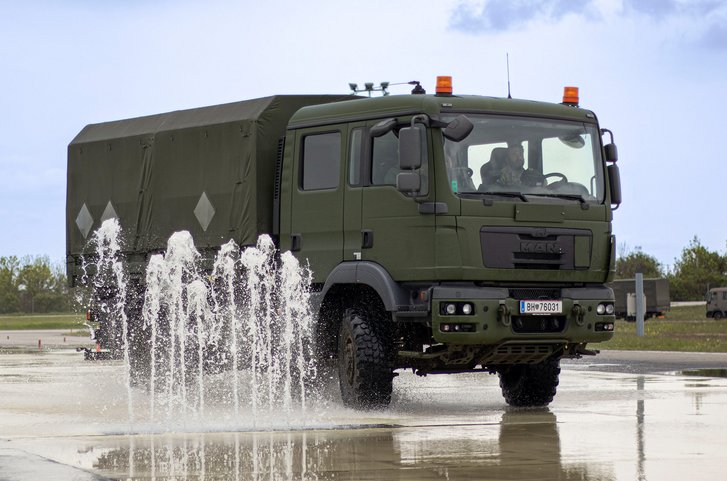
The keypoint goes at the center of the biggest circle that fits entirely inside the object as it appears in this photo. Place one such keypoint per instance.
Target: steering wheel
(563, 178)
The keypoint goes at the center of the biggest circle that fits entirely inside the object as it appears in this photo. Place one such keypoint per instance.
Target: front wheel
(717, 315)
(364, 361)
(530, 385)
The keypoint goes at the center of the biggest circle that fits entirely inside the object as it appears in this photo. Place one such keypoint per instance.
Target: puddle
(713, 372)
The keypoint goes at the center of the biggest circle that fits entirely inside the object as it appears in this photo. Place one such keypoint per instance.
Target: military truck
(446, 233)
(656, 296)
(717, 303)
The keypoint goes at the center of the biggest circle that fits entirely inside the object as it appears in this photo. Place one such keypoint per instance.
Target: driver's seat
(490, 171)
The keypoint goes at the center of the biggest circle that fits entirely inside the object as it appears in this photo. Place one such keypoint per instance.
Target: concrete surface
(49, 339)
(617, 416)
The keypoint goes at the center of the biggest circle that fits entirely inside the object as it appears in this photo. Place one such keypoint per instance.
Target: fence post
(640, 308)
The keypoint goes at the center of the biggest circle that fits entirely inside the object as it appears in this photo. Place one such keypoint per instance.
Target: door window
(385, 164)
(321, 165)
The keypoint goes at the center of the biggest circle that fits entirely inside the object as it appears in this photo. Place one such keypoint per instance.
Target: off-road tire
(717, 315)
(365, 370)
(530, 385)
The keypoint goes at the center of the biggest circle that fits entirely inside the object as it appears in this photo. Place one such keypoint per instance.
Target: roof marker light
(570, 96)
(444, 85)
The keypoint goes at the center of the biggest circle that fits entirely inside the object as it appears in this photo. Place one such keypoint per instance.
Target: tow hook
(579, 314)
(503, 314)
(582, 351)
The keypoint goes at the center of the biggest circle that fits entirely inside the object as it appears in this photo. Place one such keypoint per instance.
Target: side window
(385, 161)
(724, 296)
(321, 165)
(354, 157)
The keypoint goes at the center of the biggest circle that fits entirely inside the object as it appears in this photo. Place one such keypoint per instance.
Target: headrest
(498, 155)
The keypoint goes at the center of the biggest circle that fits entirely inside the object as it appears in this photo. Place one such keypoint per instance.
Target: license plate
(541, 307)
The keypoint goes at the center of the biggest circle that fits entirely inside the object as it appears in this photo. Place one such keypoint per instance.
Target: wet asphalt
(617, 416)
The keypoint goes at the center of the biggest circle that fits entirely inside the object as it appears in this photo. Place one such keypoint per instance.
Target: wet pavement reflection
(602, 426)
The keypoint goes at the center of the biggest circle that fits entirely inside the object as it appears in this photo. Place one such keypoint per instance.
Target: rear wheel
(364, 360)
(717, 315)
(530, 384)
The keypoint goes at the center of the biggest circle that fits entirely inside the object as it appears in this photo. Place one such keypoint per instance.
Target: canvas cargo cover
(209, 171)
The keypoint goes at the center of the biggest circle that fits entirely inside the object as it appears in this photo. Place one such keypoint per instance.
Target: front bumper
(495, 316)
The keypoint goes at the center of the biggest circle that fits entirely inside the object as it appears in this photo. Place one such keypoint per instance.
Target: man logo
(541, 248)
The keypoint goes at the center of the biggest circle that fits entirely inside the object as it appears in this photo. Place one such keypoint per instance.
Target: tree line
(33, 285)
(36, 285)
(696, 271)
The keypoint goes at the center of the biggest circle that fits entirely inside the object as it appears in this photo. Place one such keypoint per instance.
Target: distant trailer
(656, 293)
(717, 303)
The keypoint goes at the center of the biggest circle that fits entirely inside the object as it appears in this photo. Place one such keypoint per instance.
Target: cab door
(316, 201)
(353, 197)
(395, 231)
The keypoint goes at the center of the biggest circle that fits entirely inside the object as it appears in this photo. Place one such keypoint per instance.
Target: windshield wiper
(518, 195)
(584, 204)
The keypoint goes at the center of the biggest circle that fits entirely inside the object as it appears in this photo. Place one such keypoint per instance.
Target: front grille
(543, 248)
(536, 261)
(526, 293)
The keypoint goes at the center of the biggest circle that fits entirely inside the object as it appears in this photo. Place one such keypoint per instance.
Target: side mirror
(611, 152)
(410, 147)
(408, 182)
(614, 184)
(458, 129)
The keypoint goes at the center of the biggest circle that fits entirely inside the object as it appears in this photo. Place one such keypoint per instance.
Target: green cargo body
(208, 170)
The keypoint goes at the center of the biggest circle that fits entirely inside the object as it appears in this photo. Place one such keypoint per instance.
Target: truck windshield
(519, 157)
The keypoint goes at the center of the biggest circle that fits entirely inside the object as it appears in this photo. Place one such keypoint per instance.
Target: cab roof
(359, 109)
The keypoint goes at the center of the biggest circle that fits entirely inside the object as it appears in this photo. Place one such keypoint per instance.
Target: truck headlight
(603, 308)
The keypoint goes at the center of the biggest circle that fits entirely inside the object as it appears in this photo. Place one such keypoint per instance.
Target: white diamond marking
(84, 221)
(109, 213)
(204, 211)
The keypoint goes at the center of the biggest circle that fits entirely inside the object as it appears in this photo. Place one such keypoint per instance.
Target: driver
(513, 168)
(513, 173)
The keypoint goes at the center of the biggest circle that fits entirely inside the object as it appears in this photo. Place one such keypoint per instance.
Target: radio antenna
(507, 58)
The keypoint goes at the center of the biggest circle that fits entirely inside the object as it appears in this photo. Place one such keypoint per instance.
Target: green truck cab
(446, 233)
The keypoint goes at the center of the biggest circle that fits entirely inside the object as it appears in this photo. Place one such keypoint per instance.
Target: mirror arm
(421, 119)
(606, 131)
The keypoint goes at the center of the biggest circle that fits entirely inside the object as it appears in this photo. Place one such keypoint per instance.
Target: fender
(372, 275)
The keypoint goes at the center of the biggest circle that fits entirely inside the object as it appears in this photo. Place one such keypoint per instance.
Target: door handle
(367, 239)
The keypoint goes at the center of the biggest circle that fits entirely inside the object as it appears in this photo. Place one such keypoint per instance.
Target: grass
(686, 313)
(682, 329)
(16, 322)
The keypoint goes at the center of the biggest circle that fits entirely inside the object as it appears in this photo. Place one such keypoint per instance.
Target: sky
(653, 71)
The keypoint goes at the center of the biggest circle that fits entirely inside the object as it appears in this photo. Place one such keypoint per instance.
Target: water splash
(111, 290)
(238, 335)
